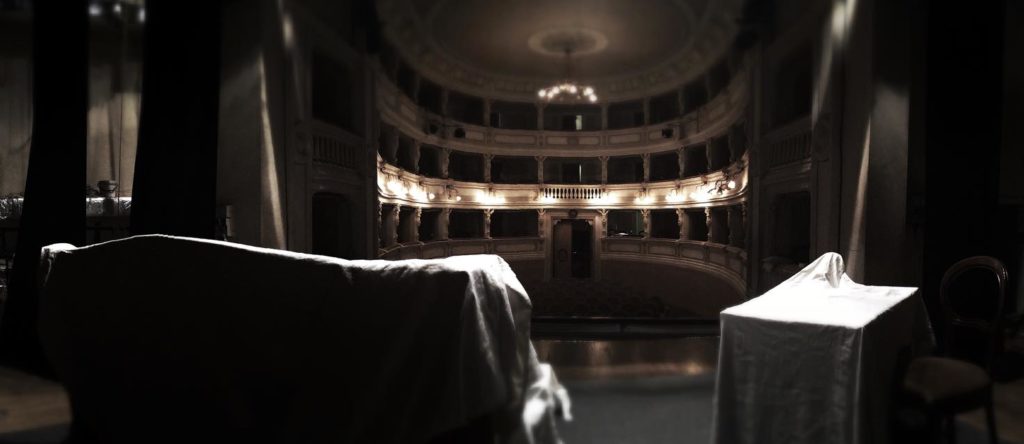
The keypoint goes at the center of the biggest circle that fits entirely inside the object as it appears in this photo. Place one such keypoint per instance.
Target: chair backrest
(987, 323)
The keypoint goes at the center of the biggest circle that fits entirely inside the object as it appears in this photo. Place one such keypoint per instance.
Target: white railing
(333, 146)
(788, 144)
(573, 192)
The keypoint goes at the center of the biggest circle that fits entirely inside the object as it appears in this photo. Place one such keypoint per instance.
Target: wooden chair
(945, 386)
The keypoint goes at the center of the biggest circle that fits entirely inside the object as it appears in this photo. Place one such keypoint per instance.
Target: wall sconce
(721, 185)
(451, 193)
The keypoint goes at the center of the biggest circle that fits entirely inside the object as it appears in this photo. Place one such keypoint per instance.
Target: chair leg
(990, 418)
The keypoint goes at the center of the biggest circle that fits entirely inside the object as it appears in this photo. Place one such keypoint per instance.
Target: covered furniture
(945, 386)
(165, 339)
(815, 360)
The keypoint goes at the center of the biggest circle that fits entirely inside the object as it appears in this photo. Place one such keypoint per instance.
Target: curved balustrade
(509, 248)
(724, 261)
(710, 120)
(572, 192)
(724, 187)
(727, 263)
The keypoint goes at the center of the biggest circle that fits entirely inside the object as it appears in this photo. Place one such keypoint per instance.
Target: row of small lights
(556, 92)
(96, 10)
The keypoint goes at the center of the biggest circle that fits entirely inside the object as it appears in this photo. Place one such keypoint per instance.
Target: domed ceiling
(509, 49)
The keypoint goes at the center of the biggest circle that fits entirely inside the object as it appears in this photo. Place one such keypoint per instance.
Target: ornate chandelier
(568, 90)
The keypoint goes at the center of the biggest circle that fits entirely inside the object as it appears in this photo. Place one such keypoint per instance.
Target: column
(540, 221)
(604, 116)
(416, 89)
(540, 168)
(745, 222)
(707, 86)
(710, 223)
(646, 213)
(647, 166)
(603, 217)
(446, 154)
(380, 226)
(392, 226)
(414, 156)
(442, 224)
(707, 155)
(604, 169)
(733, 59)
(487, 167)
(681, 152)
(487, 222)
(487, 113)
(417, 218)
(684, 224)
(735, 226)
(733, 144)
(444, 102)
(647, 111)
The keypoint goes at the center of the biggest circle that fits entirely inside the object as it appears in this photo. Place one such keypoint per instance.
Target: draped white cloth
(339, 351)
(816, 359)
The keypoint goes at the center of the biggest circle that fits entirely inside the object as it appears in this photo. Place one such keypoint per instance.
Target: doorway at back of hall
(572, 245)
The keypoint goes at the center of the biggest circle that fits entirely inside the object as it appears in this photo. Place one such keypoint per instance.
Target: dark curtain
(176, 163)
(54, 207)
(962, 121)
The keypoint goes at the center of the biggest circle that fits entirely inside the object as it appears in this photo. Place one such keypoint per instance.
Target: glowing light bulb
(431, 196)
(458, 198)
(572, 89)
(94, 10)
(731, 184)
(541, 93)
(589, 91)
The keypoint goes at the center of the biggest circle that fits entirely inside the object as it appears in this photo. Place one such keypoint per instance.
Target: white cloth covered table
(270, 345)
(815, 359)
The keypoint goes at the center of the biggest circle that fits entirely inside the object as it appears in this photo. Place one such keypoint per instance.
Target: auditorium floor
(622, 391)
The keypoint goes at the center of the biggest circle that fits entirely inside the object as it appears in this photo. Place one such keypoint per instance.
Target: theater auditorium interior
(528, 221)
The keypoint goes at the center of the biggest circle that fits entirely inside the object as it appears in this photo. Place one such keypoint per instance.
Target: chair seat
(946, 384)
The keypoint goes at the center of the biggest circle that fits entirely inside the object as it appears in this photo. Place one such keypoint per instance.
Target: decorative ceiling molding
(711, 29)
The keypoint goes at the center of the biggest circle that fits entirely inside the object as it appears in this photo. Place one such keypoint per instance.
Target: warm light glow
(568, 92)
(458, 198)
(432, 196)
(117, 8)
(731, 185)
(644, 200)
(94, 10)
(489, 198)
(675, 196)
